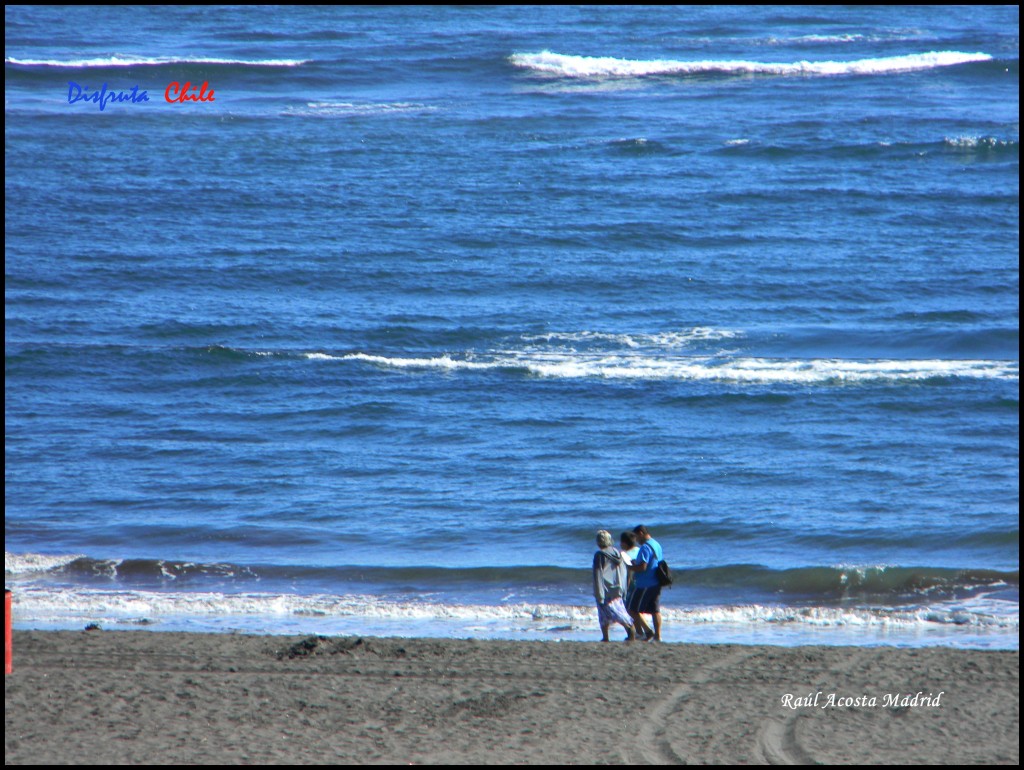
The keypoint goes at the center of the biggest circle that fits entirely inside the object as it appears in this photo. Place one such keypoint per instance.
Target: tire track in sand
(653, 741)
(777, 742)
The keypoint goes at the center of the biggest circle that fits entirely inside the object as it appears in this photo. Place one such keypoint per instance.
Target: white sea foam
(675, 339)
(896, 35)
(123, 60)
(27, 563)
(842, 617)
(819, 38)
(974, 142)
(845, 38)
(561, 65)
(572, 365)
(438, 362)
(364, 109)
(48, 605)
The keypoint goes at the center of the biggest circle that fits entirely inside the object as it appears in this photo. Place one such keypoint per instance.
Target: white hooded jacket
(609, 575)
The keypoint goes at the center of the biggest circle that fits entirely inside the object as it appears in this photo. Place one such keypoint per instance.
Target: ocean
(363, 320)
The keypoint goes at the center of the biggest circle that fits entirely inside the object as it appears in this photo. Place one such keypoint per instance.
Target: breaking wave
(821, 583)
(696, 368)
(124, 60)
(561, 65)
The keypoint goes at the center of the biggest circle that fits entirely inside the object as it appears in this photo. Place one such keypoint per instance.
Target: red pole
(7, 632)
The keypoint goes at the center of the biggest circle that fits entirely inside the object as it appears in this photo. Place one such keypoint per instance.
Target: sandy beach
(88, 697)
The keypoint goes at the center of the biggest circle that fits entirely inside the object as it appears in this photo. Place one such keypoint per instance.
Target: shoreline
(138, 696)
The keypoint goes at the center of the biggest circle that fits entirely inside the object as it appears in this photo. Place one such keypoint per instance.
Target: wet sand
(117, 697)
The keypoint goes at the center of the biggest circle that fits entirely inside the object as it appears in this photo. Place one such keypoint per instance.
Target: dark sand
(90, 697)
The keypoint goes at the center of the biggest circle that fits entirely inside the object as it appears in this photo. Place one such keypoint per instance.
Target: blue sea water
(377, 334)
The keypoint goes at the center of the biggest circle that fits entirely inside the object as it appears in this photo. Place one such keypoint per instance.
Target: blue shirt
(650, 552)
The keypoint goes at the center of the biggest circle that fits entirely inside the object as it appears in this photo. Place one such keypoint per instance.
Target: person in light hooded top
(610, 579)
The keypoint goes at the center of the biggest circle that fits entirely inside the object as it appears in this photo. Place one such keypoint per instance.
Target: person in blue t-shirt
(645, 598)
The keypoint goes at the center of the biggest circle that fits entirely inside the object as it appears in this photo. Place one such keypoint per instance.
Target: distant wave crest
(697, 368)
(119, 60)
(561, 65)
(980, 143)
(359, 109)
(674, 339)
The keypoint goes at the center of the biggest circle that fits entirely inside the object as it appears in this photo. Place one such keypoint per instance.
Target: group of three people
(626, 585)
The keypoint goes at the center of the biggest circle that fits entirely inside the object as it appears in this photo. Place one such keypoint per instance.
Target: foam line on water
(568, 66)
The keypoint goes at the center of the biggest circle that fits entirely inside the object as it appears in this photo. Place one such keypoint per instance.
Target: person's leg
(621, 615)
(630, 632)
(636, 607)
(641, 625)
(656, 612)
